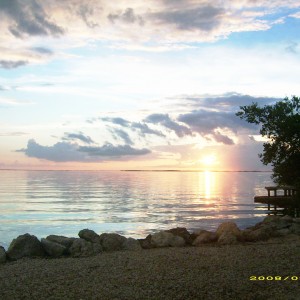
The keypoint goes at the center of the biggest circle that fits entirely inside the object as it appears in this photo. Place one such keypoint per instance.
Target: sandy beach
(207, 272)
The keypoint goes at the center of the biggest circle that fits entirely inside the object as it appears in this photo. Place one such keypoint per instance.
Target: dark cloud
(143, 128)
(77, 137)
(128, 16)
(59, 152)
(166, 121)
(85, 11)
(117, 120)
(68, 152)
(206, 122)
(228, 101)
(42, 50)
(204, 18)
(223, 139)
(109, 150)
(123, 135)
(28, 18)
(10, 64)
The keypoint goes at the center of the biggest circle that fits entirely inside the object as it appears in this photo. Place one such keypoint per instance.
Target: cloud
(109, 150)
(123, 135)
(205, 122)
(223, 139)
(228, 101)
(292, 48)
(9, 64)
(59, 152)
(143, 128)
(28, 18)
(16, 133)
(68, 152)
(179, 21)
(77, 137)
(116, 120)
(42, 50)
(204, 18)
(166, 121)
(128, 16)
(85, 11)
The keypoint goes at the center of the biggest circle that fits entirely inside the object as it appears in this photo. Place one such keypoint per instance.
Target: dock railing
(282, 197)
(287, 190)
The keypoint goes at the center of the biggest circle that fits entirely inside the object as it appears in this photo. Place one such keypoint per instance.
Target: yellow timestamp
(270, 278)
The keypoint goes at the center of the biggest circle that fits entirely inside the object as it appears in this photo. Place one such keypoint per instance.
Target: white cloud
(156, 25)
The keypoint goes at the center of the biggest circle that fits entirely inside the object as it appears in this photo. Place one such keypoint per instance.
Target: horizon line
(141, 170)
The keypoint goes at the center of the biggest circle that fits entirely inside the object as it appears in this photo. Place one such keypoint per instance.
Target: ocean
(131, 203)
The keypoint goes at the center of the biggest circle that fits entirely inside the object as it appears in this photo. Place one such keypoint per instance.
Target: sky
(110, 85)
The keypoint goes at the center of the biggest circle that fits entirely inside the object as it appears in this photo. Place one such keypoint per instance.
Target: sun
(209, 160)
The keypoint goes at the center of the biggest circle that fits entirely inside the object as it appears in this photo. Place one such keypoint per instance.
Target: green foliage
(280, 124)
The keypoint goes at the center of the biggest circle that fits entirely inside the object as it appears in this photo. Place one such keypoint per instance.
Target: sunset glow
(209, 160)
(99, 85)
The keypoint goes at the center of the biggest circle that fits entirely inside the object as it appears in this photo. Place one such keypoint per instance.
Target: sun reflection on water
(209, 182)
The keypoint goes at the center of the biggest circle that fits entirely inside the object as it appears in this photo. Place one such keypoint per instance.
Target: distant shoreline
(143, 170)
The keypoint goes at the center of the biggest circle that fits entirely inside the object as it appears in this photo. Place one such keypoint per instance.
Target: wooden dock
(279, 197)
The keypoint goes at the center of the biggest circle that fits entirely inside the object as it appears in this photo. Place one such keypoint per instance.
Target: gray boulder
(204, 236)
(166, 239)
(132, 245)
(112, 241)
(295, 228)
(2, 255)
(182, 232)
(25, 245)
(261, 233)
(227, 238)
(89, 235)
(283, 232)
(229, 227)
(296, 220)
(53, 249)
(62, 240)
(277, 222)
(83, 248)
(146, 243)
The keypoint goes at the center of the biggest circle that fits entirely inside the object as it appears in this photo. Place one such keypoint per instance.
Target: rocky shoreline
(261, 262)
(90, 243)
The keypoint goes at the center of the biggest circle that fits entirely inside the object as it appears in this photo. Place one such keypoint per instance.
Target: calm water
(131, 203)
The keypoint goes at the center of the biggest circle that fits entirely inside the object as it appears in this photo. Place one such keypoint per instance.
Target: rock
(295, 228)
(271, 218)
(278, 222)
(25, 245)
(132, 245)
(227, 238)
(166, 239)
(205, 237)
(259, 234)
(283, 232)
(62, 240)
(53, 249)
(287, 219)
(229, 227)
(89, 235)
(182, 232)
(83, 248)
(146, 243)
(296, 220)
(112, 241)
(2, 255)
(177, 241)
